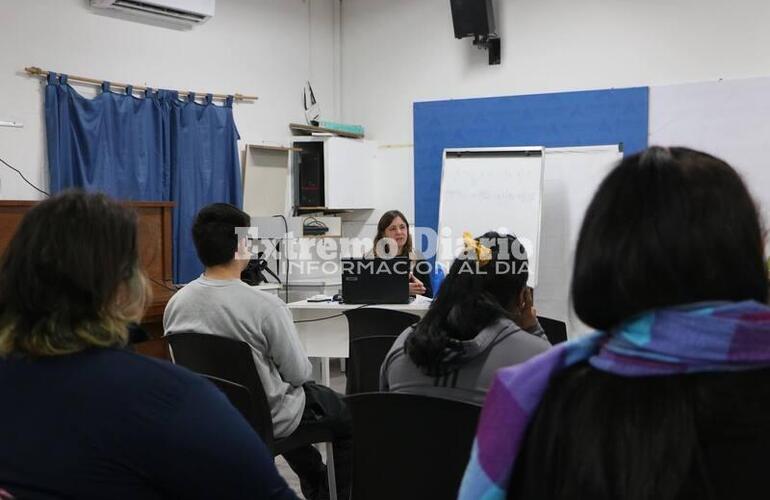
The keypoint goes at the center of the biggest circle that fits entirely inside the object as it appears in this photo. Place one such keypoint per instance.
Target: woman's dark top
(107, 423)
(698, 436)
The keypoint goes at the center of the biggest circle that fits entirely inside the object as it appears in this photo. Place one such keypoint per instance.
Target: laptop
(375, 281)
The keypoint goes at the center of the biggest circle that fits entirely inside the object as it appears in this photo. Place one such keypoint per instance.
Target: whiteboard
(491, 189)
(568, 182)
(572, 176)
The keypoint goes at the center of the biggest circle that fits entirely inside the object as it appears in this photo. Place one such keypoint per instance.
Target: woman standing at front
(394, 226)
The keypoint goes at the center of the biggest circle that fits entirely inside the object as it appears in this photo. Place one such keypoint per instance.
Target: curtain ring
(105, 86)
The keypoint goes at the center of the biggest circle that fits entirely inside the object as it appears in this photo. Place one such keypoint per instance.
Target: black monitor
(473, 18)
(375, 281)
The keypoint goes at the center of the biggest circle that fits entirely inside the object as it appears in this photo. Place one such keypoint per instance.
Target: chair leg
(326, 374)
(330, 471)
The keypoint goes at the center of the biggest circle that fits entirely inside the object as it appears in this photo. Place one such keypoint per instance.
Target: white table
(273, 288)
(323, 328)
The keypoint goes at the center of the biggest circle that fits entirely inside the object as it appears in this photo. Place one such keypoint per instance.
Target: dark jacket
(107, 423)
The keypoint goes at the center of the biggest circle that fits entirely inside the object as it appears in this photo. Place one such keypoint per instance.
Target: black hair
(70, 278)
(667, 226)
(473, 295)
(214, 235)
(602, 436)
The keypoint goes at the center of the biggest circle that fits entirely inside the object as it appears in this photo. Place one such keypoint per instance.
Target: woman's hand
(415, 286)
(526, 316)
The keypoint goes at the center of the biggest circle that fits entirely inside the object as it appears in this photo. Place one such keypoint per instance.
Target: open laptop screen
(375, 281)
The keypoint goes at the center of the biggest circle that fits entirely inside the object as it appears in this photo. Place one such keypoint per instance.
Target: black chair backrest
(227, 359)
(372, 332)
(410, 447)
(240, 397)
(363, 367)
(555, 330)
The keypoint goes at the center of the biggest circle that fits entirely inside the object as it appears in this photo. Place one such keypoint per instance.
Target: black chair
(371, 333)
(555, 330)
(232, 361)
(410, 447)
(240, 397)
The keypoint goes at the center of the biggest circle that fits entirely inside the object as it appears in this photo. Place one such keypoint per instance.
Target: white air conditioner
(179, 12)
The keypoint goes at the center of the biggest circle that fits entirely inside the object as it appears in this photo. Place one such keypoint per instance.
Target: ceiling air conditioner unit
(186, 13)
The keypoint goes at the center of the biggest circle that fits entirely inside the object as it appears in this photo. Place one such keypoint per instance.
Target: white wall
(396, 52)
(256, 47)
(728, 119)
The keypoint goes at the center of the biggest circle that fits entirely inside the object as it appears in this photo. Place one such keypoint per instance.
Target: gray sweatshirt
(233, 309)
(500, 344)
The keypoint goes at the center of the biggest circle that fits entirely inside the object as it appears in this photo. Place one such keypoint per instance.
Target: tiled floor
(338, 384)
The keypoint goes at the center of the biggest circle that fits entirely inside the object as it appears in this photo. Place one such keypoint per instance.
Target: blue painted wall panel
(586, 118)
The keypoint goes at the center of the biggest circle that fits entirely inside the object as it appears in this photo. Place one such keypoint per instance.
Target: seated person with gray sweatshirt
(482, 319)
(219, 303)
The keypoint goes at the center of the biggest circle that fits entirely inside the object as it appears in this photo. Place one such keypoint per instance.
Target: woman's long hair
(667, 227)
(385, 221)
(477, 291)
(70, 277)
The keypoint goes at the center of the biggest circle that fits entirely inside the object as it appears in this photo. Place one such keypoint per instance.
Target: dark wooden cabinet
(154, 232)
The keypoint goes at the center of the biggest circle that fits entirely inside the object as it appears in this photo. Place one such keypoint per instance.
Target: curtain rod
(35, 71)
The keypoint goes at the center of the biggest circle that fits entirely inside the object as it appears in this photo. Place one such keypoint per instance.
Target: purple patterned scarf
(696, 338)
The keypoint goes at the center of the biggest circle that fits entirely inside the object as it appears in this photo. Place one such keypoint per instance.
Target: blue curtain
(111, 143)
(151, 148)
(206, 169)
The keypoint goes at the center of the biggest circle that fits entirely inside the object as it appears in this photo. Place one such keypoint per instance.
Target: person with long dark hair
(670, 398)
(482, 319)
(84, 418)
(394, 239)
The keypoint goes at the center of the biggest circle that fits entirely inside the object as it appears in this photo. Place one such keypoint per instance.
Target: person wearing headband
(393, 228)
(482, 319)
(670, 397)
